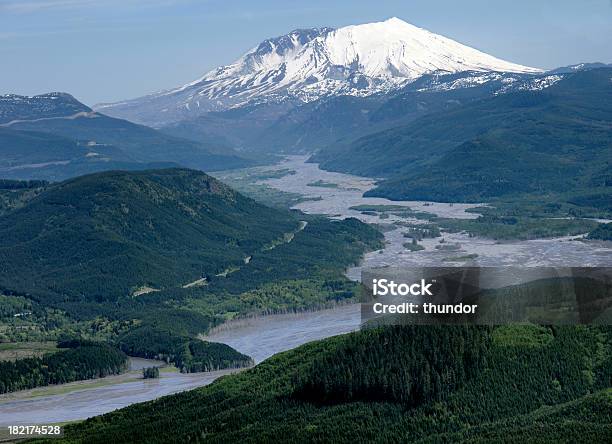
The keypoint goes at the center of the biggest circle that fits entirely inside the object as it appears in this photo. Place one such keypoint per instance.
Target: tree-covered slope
(33, 150)
(137, 142)
(149, 260)
(104, 235)
(463, 384)
(38, 155)
(550, 141)
(72, 363)
(188, 354)
(603, 232)
(15, 193)
(584, 420)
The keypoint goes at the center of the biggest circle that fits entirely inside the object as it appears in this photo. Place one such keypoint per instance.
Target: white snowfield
(312, 63)
(384, 54)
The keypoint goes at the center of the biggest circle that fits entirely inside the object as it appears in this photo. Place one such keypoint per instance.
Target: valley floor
(344, 200)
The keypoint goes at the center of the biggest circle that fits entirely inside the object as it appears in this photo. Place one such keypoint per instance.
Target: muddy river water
(258, 337)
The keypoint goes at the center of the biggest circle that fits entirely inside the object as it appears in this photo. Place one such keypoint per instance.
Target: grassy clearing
(11, 351)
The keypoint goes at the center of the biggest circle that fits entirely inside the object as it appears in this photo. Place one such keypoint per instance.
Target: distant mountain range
(290, 127)
(433, 118)
(311, 88)
(53, 136)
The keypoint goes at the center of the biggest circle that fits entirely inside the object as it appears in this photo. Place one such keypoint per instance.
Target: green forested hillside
(457, 384)
(602, 232)
(149, 260)
(15, 193)
(424, 366)
(101, 237)
(19, 147)
(188, 354)
(21, 150)
(554, 143)
(38, 155)
(137, 142)
(584, 420)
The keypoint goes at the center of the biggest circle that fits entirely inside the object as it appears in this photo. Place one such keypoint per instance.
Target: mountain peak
(307, 64)
(52, 104)
(396, 21)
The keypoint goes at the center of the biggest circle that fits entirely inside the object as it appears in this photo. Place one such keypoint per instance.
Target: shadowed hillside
(102, 236)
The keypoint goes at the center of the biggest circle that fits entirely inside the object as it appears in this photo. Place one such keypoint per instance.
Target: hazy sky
(108, 50)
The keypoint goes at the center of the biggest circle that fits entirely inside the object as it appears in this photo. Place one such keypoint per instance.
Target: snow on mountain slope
(306, 65)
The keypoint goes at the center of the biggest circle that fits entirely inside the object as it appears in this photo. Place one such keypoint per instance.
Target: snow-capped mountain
(306, 65)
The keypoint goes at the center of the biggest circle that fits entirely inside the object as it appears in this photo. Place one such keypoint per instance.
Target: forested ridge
(424, 367)
(301, 275)
(158, 228)
(15, 193)
(519, 383)
(163, 230)
(187, 354)
(125, 257)
(553, 145)
(79, 361)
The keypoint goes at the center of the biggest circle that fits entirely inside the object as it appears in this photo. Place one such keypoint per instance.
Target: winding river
(257, 337)
(263, 337)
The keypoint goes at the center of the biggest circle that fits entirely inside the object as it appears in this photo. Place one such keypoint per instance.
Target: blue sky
(115, 49)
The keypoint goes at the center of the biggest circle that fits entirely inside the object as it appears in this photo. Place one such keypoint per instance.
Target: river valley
(331, 194)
